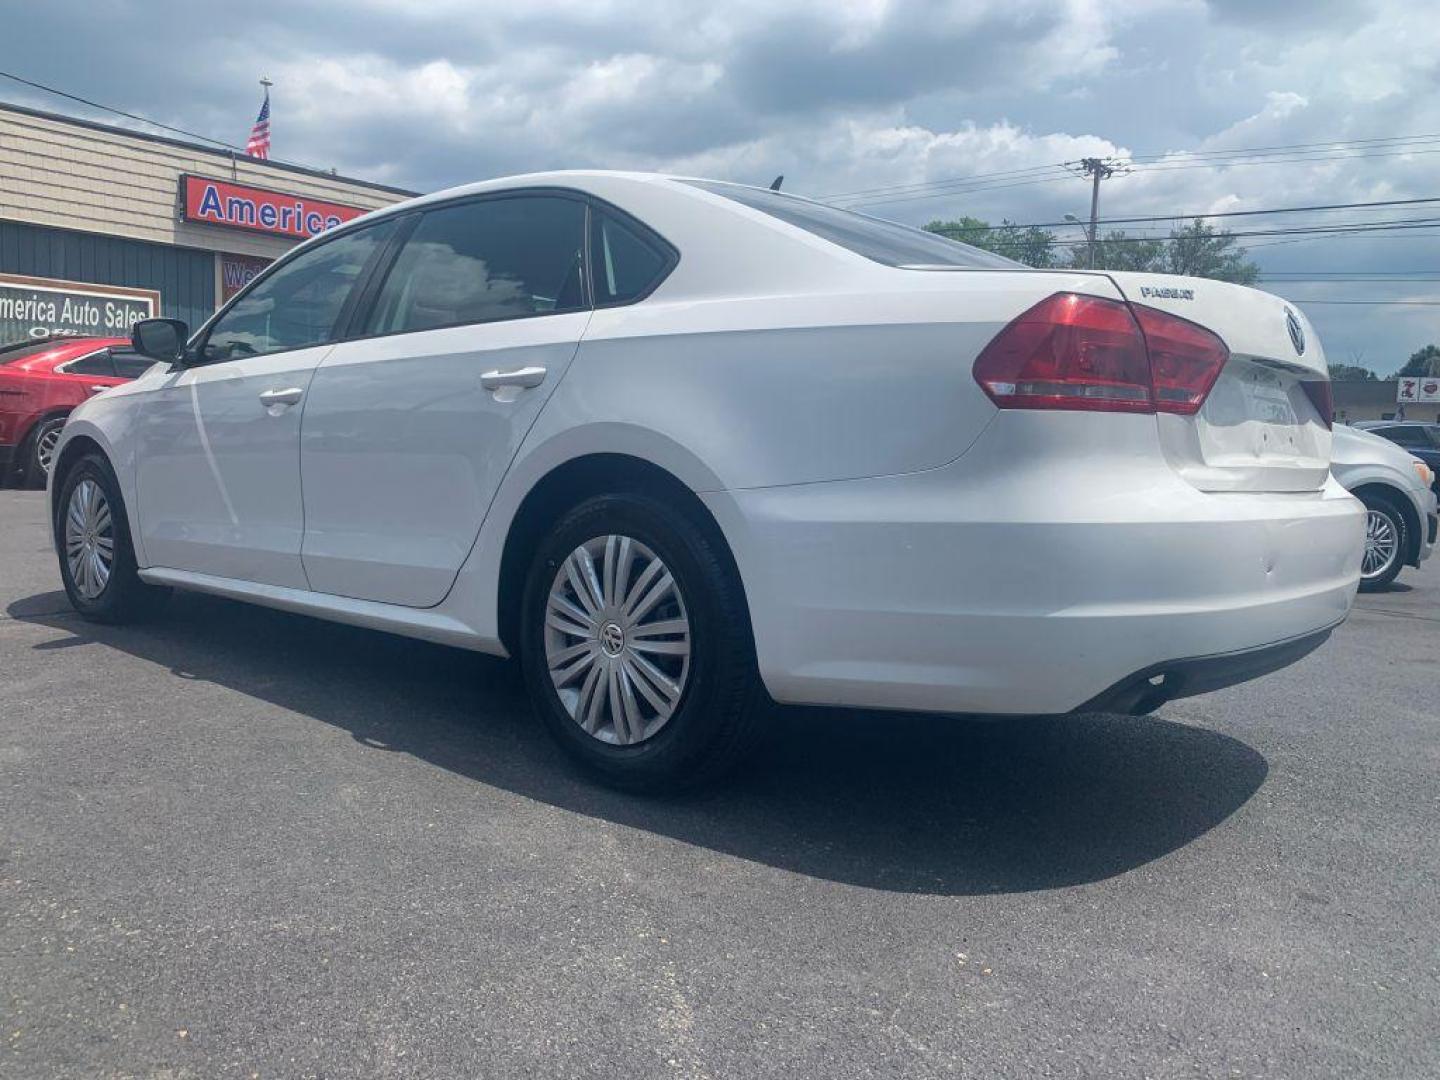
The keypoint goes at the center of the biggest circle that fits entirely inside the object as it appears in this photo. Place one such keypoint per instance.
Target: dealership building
(100, 226)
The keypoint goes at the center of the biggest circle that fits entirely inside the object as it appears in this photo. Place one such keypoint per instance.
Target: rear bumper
(1003, 585)
(1147, 690)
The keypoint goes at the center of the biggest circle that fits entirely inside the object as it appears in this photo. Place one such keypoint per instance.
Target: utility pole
(1097, 169)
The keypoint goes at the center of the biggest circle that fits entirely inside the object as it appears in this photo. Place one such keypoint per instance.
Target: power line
(1396, 146)
(1382, 203)
(1242, 163)
(889, 189)
(1286, 147)
(1237, 153)
(1384, 303)
(117, 112)
(1210, 157)
(1374, 277)
(142, 119)
(1333, 230)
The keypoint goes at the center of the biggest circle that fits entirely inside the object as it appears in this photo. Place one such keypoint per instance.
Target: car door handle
(523, 377)
(98, 389)
(288, 396)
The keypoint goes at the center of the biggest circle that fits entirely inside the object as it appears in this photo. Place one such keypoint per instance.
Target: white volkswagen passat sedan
(678, 444)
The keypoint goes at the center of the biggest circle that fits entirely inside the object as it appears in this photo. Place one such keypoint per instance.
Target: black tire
(1388, 512)
(124, 597)
(721, 707)
(33, 469)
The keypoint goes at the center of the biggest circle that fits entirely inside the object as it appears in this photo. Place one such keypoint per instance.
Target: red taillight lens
(1185, 359)
(1318, 391)
(1068, 352)
(1087, 352)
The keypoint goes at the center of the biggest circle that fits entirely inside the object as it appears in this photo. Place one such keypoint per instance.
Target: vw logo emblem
(1297, 332)
(612, 639)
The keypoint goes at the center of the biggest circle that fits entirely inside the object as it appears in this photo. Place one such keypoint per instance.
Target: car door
(410, 426)
(218, 445)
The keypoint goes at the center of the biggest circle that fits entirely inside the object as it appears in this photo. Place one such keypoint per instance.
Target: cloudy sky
(907, 101)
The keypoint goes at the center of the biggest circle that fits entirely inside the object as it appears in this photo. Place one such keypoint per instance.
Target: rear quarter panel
(869, 380)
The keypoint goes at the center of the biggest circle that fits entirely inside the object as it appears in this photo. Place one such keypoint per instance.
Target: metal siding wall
(185, 278)
(59, 173)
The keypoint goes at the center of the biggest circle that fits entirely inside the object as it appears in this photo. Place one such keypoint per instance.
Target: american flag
(259, 144)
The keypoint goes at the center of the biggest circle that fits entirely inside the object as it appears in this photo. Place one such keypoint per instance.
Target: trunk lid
(1258, 429)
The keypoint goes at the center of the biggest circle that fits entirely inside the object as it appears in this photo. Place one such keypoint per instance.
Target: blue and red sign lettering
(236, 206)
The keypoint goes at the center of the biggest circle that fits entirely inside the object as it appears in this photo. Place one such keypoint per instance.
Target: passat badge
(1297, 332)
(1165, 292)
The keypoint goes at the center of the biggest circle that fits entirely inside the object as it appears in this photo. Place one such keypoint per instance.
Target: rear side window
(97, 363)
(1410, 435)
(885, 242)
(505, 258)
(298, 303)
(624, 263)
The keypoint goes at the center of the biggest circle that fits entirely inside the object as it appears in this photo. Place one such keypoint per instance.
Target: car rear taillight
(1086, 352)
(1318, 391)
(1068, 352)
(1185, 359)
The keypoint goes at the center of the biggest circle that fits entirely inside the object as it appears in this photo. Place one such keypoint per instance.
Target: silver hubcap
(617, 639)
(45, 448)
(1382, 544)
(89, 539)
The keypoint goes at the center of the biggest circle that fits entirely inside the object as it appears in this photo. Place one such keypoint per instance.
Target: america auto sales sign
(32, 307)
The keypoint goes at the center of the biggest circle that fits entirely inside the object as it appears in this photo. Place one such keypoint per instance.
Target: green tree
(1027, 244)
(1350, 373)
(1197, 249)
(1424, 362)
(1118, 250)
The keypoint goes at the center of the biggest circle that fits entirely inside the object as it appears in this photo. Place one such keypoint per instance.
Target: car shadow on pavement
(888, 801)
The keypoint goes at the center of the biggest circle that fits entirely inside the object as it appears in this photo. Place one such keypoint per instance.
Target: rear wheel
(92, 537)
(636, 645)
(40, 451)
(1386, 541)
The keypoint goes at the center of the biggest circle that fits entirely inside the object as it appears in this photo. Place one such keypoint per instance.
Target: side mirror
(160, 339)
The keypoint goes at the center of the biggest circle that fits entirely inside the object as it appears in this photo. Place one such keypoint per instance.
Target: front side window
(882, 241)
(625, 264)
(501, 258)
(298, 303)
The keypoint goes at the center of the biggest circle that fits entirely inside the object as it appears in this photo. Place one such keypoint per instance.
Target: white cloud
(838, 96)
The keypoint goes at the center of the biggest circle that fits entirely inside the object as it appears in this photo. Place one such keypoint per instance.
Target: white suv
(680, 445)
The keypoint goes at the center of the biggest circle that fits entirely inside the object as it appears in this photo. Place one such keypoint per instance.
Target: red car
(41, 380)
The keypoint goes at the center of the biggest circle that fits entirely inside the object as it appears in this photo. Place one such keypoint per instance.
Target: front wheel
(636, 645)
(1386, 541)
(92, 538)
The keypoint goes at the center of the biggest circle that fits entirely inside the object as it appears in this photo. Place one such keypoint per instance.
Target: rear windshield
(19, 350)
(884, 241)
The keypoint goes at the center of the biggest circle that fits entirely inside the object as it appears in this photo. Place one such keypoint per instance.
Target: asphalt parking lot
(244, 843)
